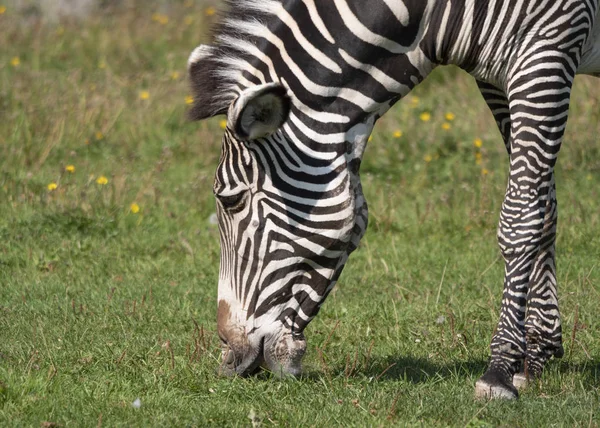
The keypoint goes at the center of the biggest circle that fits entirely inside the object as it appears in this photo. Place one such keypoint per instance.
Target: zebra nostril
(229, 358)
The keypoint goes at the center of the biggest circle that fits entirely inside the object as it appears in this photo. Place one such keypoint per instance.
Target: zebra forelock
(216, 70)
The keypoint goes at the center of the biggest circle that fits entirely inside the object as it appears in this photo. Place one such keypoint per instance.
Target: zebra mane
(215, 69)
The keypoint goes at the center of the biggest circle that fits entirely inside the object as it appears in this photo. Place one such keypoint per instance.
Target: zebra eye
(232, 202)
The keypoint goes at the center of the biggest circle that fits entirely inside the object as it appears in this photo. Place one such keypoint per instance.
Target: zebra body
(302, 84)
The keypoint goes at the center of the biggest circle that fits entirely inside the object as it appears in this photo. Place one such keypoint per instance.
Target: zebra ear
(259, 111)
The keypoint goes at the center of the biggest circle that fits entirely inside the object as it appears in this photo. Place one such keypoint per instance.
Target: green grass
(100, 306)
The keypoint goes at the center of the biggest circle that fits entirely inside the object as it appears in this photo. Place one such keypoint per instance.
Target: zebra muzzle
(283, 354)
(280, 354)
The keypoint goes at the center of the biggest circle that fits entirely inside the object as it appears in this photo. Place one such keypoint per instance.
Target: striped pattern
(291, 208)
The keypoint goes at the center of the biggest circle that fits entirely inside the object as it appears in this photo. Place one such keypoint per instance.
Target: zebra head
(290, 210)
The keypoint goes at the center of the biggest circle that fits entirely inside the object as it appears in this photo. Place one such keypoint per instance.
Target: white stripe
(488, 21)
(317, 55)
(317, 21)
(399, 10)
(463, 42)
(363, 33)
(441, 32)
(304, 148)
(390, 84)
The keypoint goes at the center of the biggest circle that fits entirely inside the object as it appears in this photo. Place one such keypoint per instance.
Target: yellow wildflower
(52, 186)
(70, 168)
(446, 126)
(189, 100)
(15, 61)
(160, 18)
(2, 10)
(144, 95)
(175, 75)
(589, 177)
(484, 171)
(102, 180)
(428, 158)
(397, 133)
(450, 117)
(478, 143)
(425, 116)
(370, 138)
(99, 135)
(134, 208)
(414, 102)
(210, 11)
(223, 124)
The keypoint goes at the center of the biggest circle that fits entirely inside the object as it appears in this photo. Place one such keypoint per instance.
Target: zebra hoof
(491, 386)
(520, 381)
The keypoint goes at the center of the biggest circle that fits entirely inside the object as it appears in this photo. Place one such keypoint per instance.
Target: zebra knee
(529, 205)
(519, 236)
(514, 246)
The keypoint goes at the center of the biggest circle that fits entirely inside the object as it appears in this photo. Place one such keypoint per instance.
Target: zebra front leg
(527, 227)
(542, 325)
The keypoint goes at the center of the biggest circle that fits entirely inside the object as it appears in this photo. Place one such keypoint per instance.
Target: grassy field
(109, 259)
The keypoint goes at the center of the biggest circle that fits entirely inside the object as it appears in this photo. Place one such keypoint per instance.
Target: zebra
(302, 83)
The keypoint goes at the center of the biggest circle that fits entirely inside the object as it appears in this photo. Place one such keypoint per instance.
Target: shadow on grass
(421, 370)
(415, 369)
(408, 368)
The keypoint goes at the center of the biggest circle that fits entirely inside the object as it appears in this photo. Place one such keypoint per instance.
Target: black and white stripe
(303, 82)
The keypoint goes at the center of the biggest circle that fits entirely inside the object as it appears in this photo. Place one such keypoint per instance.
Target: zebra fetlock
(303, 82)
